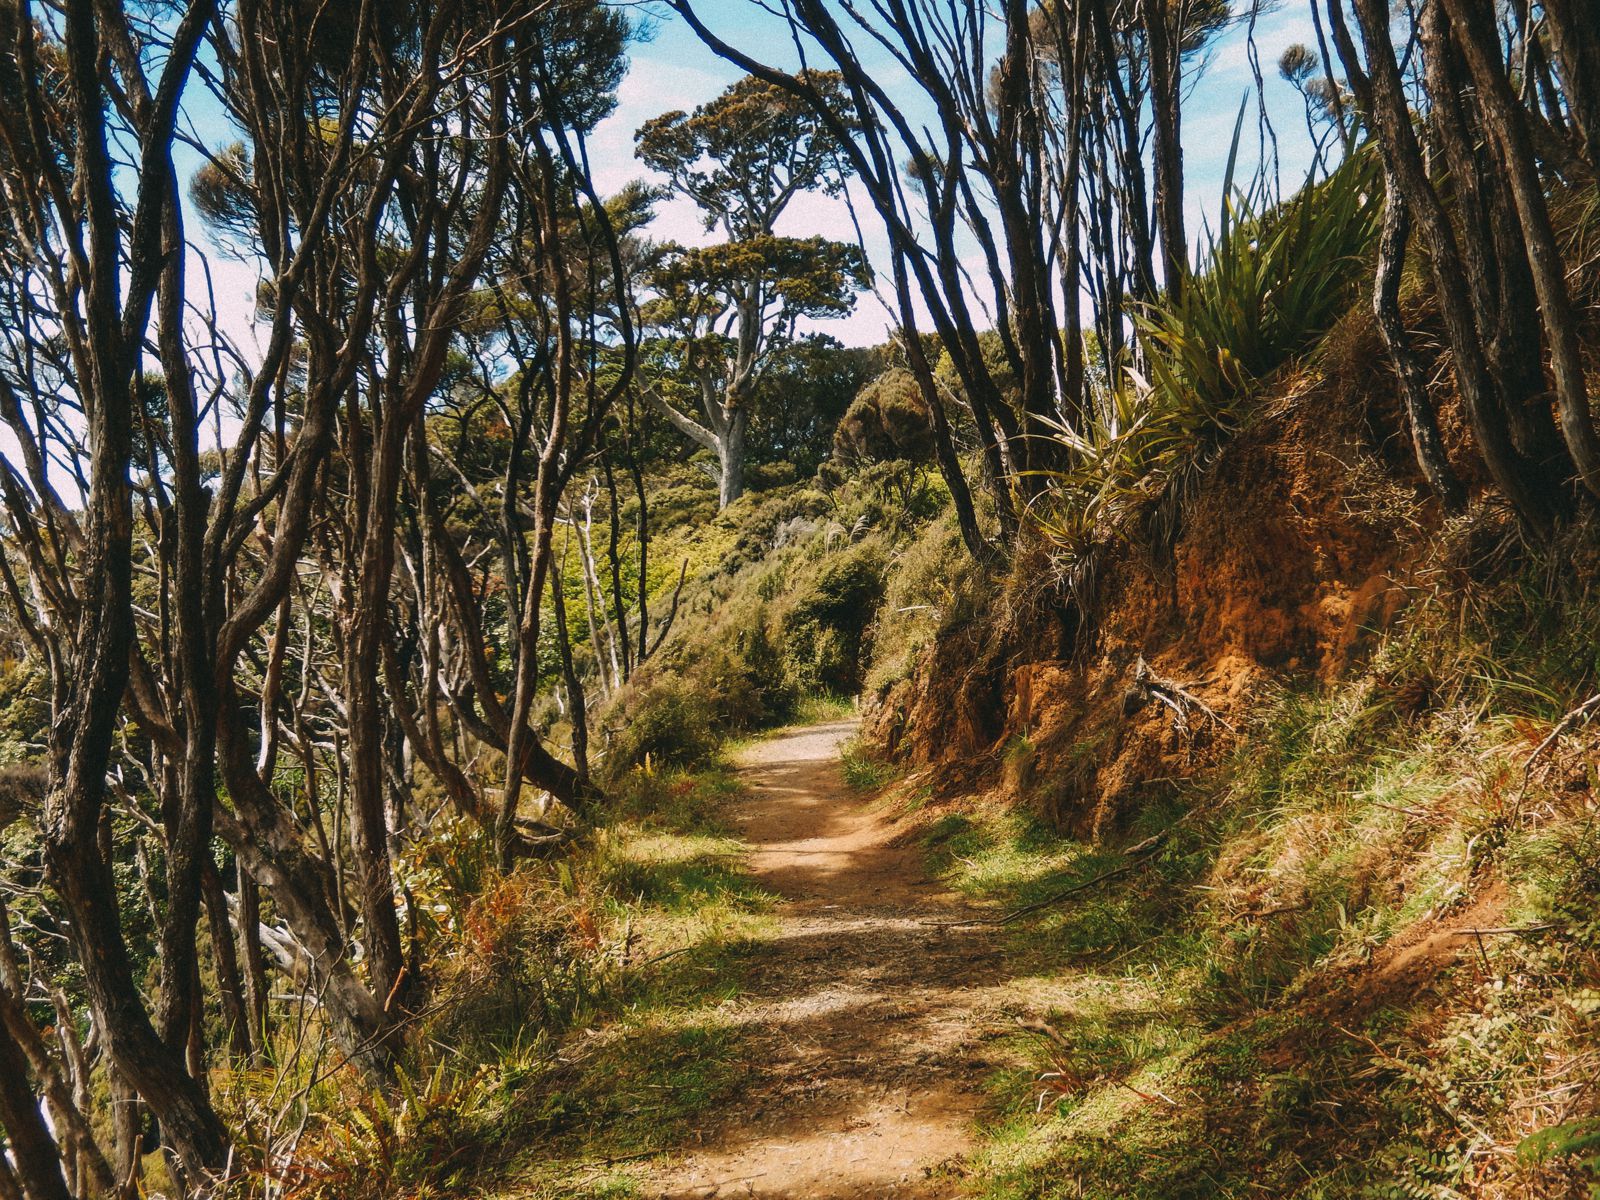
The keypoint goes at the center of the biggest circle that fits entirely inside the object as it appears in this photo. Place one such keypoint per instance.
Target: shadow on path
(864, 1022)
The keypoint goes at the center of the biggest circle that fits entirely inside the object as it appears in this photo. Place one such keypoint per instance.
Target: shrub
(762, 477)
(827, 624)
(886, 422)
(923, 594)
(669, 721)
(523, 961)
(1275, 279)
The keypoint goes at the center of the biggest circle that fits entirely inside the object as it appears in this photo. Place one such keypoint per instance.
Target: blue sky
(673, 69)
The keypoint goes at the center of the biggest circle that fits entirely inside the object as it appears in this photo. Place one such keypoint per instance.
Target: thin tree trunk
(37, 1156)
(1404, 163)
(1167, 149)
(642, 532)
(1473, 30)
(577, 704)
(619, 605)
(225, 958)
(270, 849)
(67, 1110)
(1495, 261)
(1335, 92)
(1431, 458)
(943, 442)
(253, 963)
(1575, 36)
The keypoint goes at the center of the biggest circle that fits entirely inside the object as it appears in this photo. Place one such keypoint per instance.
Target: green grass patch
(864, 769)
(824, 709)
(1227, 1019)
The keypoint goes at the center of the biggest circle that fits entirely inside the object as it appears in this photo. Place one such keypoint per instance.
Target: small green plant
(671, 722)
(1275, 278)
(863, 770)
(432, 1132)
(1577, 1141)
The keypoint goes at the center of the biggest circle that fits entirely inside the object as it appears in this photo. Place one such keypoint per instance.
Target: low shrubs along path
(865, 1024)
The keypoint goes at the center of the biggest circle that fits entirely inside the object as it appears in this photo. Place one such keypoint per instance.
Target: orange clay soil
(865, 1022)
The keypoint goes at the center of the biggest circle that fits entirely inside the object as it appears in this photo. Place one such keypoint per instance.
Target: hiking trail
(865, 1022)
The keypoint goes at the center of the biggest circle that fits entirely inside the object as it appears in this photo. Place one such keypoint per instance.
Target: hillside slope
(1295, 807)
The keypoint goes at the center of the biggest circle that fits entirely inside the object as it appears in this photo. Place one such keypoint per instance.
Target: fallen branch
(1147, 685)
(1582, 711)
(1277, 911)
(601, 1163)
(1044, 1030)
(662, 957)
(1507, 929)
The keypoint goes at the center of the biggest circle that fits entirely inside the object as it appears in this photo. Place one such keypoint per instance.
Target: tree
(1493, 260)
(104, 261)
(723, 313)
(202, 544)
(805, 392)
(722, 316)
(976, 154)
(886, 422)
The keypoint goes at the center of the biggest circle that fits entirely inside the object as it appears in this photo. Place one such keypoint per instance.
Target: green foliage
(697, 286)
(930, 588)
(673, 721)
(24, 711)
(806, 387)
(1578, 1140)
(1273, 280)
(825, 626)
(1269, 1003)
(743, 155)
(426, 1139)
(886, 422)
(864, 771)
(779, 613)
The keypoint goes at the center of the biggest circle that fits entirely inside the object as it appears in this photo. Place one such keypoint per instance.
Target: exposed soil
(1299, 546)
(865, 1021)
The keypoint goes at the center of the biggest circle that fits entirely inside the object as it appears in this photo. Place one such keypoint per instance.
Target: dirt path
(864, 1020)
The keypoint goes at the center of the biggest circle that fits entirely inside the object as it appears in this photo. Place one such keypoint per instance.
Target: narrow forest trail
(864, 1021)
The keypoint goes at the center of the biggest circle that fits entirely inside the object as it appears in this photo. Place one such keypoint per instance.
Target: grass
(665, 1050)
(581, 1016)
(1230, 1018)
(824, 709)
(865, 770)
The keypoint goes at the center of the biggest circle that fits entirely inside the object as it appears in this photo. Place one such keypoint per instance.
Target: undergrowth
(783, 633)
(1275, 998)
(1272, 280)
(577, 1018)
